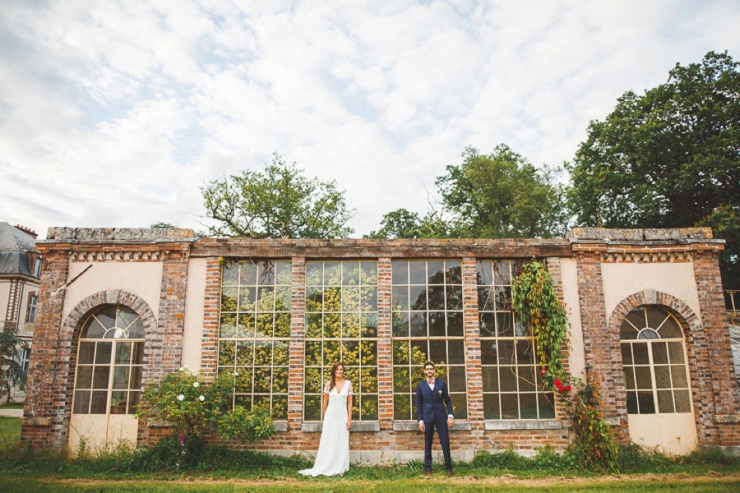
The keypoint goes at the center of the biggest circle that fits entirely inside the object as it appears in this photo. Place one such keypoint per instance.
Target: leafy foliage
(502, 195)
(193, 406)
(537, 304)
(535, 300)
(404, 224)
(277, 203)
(668, 158)
(11, 371)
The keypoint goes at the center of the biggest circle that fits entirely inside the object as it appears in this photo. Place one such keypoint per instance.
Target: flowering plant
(537, 304)
(192, 405)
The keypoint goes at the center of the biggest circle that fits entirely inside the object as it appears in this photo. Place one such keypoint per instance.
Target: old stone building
(123, 307)
(20, 269)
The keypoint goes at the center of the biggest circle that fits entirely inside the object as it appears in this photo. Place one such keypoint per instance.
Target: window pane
(99, 402)
(120, 377)
(547, 410)
(683, 404)
(629, 378)
(660, 353)
(490, 379)
(643, 377)
(103, 352)
(84, 377)
(508, 379)
(86, 353)
(529, 405)
(82, 402)
(671, 329)
(678, 374)
(509, 406)
(527, 379)
(662, 377)
(491, 408)
(118, 402)
(646, 403)
(640, 353)
(401, 407)
(665, 401)
(100, 377)
(632, 403)
(626, 354)
(675, 351)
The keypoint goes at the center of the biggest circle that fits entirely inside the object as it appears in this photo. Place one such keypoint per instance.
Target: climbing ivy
(539, 307)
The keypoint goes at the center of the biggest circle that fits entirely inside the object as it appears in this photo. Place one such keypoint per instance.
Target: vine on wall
(538, 306)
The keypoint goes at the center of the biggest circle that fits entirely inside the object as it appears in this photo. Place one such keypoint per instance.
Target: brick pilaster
(297, 342)
(473, 368)
(385, 345)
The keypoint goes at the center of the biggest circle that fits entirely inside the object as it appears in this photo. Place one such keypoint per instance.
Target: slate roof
(15, 246)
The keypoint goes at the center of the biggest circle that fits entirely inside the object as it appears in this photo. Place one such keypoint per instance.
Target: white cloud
(116, 113)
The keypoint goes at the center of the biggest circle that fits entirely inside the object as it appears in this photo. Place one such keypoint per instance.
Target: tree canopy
(668, 158)
(502, 195)
(277, 203)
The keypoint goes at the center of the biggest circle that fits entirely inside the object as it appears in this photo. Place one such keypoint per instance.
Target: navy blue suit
(430, 408)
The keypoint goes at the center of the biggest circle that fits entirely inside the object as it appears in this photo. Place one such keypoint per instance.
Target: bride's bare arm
(349, 411)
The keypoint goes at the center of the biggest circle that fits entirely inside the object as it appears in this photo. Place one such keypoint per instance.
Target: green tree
(11, 371)
(668, 158)
(502, 195)
(402, 223)
(277, 203)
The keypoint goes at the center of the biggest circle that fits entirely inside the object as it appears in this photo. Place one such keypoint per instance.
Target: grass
(12, 405)
(218, 469)
(10, 429)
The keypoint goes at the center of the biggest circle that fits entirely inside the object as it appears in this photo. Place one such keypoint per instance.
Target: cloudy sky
(116, 113)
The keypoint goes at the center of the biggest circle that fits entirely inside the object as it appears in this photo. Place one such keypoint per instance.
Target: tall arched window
(109, 362)
(654, 362)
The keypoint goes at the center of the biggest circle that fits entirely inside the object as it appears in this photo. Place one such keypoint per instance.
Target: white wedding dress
(333, 455)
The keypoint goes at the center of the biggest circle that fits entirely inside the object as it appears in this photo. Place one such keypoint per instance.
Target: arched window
(654, 362)
(109, 362)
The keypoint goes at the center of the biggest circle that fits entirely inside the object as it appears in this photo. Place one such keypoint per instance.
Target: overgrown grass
(166, 462)
(10, 429)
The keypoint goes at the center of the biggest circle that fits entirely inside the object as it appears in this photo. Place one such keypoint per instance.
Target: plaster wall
(143, 279)
(577, 357)
(625, 279)
(194, 310)
(4, 294)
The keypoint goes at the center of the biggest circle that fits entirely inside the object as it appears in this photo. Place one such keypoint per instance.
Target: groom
(431, 398)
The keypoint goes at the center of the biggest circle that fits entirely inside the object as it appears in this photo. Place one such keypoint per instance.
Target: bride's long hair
(334, 374)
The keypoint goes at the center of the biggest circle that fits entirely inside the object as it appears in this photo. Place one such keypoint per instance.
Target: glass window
(110, 359)
(342, 325)
(655, 373)
(32, 299)
(512, 388)
(427, 326)
(254, 335)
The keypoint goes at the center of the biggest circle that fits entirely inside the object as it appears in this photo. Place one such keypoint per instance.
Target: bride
(333, 455)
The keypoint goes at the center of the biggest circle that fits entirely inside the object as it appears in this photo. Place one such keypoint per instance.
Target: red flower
(567, 387)
(542, 371)
(558, 383)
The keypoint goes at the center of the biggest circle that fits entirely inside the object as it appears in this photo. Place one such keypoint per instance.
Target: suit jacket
(430, 404)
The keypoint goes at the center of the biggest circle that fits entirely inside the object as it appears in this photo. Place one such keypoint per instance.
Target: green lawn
(10, 429)
(651, 483)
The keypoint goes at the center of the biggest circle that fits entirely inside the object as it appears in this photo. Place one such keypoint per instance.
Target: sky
(118, 113)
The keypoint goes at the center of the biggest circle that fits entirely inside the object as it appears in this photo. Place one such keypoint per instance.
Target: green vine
(538, 306)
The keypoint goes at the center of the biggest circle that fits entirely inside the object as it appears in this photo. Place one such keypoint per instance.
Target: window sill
(503, 425)
(414, 426)
(315, 426)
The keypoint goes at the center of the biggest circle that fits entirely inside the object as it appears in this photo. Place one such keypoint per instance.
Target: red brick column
(601, 345)
(723, 426)
(385, 346)
(297, 343)
(211, 314)
(164, 352)
(42, 425)
(473, 367)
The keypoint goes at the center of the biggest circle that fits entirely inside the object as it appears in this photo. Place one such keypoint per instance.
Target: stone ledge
(524, 425)
(414, 426)
(35, 421)
(280, 425)
(726, 418)
(315, 427)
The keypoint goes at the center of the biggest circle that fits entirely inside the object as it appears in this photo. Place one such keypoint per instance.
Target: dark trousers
(444, 440)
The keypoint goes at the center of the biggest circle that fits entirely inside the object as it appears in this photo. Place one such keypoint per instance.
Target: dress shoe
(428, 473)
(449, 473)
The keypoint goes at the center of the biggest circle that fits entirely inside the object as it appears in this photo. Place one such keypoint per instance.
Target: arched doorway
(110, 360)
(656, 379)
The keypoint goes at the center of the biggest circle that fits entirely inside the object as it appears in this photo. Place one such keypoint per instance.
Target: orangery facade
(119, 308)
